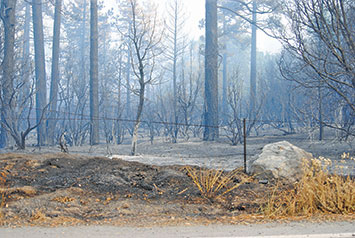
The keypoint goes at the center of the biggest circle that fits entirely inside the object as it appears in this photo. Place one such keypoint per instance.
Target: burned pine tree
(211, 73)
(94, 75)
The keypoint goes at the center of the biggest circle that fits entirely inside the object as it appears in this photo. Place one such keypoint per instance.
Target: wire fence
(73, 116)
(196, 152)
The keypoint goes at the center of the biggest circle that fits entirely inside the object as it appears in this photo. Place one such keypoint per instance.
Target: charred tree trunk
(225, 79)
(143, 42)
(51, 123)
(211, 73)
(142, 85)
(82, 44)
(138, 119)
(94, 75)
(253, 66)
(26, 64)
(8, 8)
(83, 72)
(175, 56)
(128, 86)
(118, 123)
(40, 69)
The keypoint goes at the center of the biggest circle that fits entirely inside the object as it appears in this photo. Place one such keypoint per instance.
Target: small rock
(263, 181)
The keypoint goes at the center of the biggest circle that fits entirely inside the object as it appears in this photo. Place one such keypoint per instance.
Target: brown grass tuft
(318, 192)
(38, 215)
(3, 176)
(215, 183)
(63, 199)
(27, 190)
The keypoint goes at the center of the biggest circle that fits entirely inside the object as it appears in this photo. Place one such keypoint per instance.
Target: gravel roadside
(293, 229)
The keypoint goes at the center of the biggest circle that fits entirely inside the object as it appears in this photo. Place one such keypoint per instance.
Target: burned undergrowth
(67, 189)
(63, 189)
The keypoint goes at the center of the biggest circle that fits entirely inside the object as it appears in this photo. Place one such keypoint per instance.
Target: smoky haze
(86, 72)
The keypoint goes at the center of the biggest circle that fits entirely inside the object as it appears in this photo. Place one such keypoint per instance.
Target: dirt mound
(60, 189)
(48, 173)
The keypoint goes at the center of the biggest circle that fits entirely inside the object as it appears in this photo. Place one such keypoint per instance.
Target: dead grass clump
(318, 192)
(3, 176)
(63, 199)
(215, 183)
(38, 215)
(26, 190)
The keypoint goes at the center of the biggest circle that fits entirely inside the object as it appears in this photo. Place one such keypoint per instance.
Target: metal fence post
(245, 145)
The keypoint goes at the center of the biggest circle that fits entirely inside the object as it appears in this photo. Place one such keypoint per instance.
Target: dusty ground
(62, 189)
(218, 154)
(103, 185)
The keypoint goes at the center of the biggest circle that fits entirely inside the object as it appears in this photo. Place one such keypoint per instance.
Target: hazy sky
(196, 11)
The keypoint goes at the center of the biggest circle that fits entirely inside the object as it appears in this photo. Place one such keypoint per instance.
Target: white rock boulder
(280, 160)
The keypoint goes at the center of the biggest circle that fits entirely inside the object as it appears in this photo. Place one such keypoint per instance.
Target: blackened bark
(211, 73)
(8, 8)
(94, 74)
(225, 79)
(142, 85)
(138, 118)
(83, 45)
(253, 66)
(175, 56)
(55, 73)
(26, 60)
(40, 69)
(128, 86)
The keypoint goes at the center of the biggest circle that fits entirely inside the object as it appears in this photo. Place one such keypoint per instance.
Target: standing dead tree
(326, 25)
(8, 17)
(234, 126)
(321, 43)
(188, 92)
(51, 123)
(40, 69)
(176, 44)
(144, 37)
(248, 11)
(15, 106)
(211, 131)
(94, 74)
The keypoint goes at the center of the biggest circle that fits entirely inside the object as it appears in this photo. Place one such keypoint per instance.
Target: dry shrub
(26, 190)
(215, 183)
(3, 176)
(38, 215)
(63, 199)
(318, 192)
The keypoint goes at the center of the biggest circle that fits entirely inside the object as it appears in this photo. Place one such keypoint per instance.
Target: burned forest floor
(63, 189)
(103, 185)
